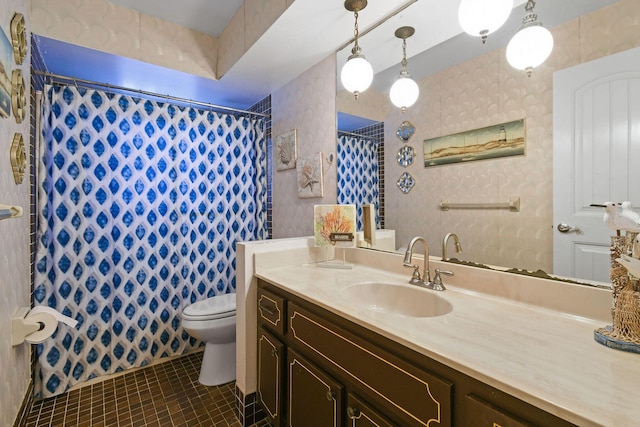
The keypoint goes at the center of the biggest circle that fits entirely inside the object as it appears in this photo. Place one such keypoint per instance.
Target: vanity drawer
(271, 311)
(479, 413)
(411, 395)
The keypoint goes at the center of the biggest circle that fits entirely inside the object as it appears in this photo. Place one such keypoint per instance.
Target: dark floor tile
(164, 395)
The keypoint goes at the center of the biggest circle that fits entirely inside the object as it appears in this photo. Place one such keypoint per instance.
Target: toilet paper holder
(37, 324)
(20, 328)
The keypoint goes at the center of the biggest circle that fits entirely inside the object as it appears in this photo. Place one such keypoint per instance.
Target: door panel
(270, 364)
(596, 153)
(315, 399)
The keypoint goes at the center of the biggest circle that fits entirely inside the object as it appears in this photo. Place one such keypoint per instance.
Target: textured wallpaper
(483, 92)
(370, 104)
(101, 25)
(15, 287)
(250, 22)
(308, 105)
(231, 43)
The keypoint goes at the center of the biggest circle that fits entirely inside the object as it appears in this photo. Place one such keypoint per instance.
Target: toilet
(213, 321)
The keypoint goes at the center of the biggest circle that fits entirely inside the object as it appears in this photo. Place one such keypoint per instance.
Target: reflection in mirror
(360, 149)
(464, 87)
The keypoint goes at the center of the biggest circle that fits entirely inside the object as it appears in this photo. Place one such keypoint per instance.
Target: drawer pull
(267, 310)
(353, 413)
(330, 395)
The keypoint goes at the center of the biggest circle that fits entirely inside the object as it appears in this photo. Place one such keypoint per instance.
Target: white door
(596, 158)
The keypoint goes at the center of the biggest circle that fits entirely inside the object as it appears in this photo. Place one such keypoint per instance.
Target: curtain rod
(359, 135)
(109, 87)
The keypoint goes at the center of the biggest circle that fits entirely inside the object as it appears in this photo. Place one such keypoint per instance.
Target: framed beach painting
(286, 150)
(309, 176)
(502, 140)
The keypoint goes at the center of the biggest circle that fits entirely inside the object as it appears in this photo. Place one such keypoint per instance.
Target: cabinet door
(314, 398)
(359, 414)
(270, 365)
(412, 396)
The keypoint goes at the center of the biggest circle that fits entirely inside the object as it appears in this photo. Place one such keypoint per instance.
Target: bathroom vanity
(361, 347)
(316, 368)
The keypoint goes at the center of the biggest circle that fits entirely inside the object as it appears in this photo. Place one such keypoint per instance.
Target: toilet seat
(217, 307)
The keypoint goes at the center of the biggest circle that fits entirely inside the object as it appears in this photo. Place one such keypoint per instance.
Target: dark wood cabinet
(484, 414)
(413, 396)
(314, 398)
(271, 311)
(338, 373)
(360, 414)
(271, 357)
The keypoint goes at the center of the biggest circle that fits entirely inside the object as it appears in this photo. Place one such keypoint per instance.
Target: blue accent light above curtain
(141, 204)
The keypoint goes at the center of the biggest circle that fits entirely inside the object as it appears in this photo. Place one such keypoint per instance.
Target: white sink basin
(407, 300)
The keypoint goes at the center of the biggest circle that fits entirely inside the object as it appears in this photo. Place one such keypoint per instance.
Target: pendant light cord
(404, 54)
(356, 48)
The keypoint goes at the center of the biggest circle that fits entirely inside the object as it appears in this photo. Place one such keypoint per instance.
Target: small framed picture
(334, 225)
(309, 177)
(286, 150)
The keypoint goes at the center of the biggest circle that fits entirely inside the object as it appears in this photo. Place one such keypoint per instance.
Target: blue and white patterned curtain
(358, 174)
(140, 205)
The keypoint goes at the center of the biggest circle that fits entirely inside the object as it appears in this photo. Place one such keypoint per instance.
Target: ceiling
(307, 32)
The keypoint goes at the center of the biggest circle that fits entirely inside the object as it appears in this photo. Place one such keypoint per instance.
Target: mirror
(465, 86)
(405, 131)
(405, 156)
(358, 152)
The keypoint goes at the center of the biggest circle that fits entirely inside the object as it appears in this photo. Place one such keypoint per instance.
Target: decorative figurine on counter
(624, 333)
(627, 220)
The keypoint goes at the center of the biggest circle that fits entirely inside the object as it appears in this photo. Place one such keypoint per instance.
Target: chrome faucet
(416, 279)
(446, 240)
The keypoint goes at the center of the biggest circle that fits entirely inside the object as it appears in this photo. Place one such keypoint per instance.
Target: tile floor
(167, 394)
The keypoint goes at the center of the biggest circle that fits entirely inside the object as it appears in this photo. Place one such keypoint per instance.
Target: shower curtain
(140, 205)
(358, 174)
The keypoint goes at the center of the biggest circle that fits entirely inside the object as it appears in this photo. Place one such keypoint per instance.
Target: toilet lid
(212, 308)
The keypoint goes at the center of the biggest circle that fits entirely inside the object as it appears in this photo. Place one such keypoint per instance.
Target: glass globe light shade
(529, 47)
(480, 18)
(356, 74)
(404, 92)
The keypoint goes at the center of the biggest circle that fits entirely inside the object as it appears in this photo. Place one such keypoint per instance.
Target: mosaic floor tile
(163, 395)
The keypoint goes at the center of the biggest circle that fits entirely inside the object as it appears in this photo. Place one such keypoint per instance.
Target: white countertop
(544, 357)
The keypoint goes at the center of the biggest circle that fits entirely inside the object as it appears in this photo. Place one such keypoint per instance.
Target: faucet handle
(445, 272)
(415, 276)
(437, 280)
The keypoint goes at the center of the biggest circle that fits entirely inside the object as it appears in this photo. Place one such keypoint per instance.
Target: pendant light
(404, 91)
(481, 18)
(531, 45)
(357, 73)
